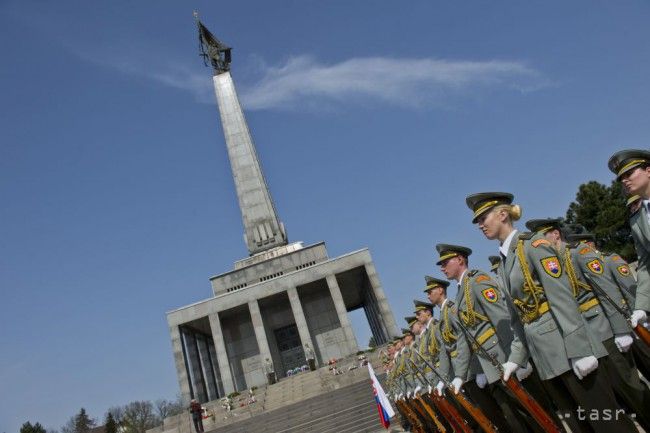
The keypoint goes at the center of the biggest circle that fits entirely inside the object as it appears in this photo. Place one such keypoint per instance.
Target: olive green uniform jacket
(641, 236)
(553, 329)
(483, 312)
(593, 266)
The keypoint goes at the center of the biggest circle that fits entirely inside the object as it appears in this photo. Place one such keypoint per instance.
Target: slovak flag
(386, 411)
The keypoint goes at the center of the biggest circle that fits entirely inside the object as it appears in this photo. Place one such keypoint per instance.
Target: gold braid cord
(470, 315)
(433, 344)
(576, 284)
(529, 307)
(447, 334)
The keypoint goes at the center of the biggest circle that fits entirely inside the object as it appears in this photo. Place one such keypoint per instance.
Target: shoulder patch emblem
(595, 266)
(490, 295)
(552, 266)
(623, 270)
(482, 278)
(584, 250)
(539, 242)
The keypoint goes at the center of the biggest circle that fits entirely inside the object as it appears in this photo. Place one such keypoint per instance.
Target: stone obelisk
(262, 227)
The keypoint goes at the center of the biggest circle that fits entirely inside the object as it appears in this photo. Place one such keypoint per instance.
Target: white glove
(481, 380)
(623, 342)
(439, 387)
(417, 390)
(408, 394)
(523, 372)
(638, 316)
(430, 389)
(400, 396)
(509, 368)
(456, 384)
(583, 366)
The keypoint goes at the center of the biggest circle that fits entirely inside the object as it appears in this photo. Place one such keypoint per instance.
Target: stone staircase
(350, 409)
(316, 401)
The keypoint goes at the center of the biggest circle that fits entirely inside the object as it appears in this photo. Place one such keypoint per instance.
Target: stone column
(387, 319)
(206, 367)
(179, 361)
(222, 355)
(377, 331)
(342, 312)
(299, 317)
(260, 333)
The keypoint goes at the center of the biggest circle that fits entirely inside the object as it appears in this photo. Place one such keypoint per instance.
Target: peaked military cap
(482, 202)
(406, 332)
(625, 160)
(577, 237)
(410, 320)
(448, 251)
(543, 225)
(421, 305)
(432, 283)
(495, 261)
(632, 199)
(396, 339)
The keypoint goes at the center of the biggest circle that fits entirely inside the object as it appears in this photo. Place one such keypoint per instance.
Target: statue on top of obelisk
(262, 227)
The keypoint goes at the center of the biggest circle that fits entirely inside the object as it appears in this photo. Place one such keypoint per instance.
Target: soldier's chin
(488, 234)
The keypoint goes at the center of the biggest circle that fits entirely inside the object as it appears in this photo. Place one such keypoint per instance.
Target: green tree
(80, 423)
(83, 423)
(110, 426)
(372, 343)
(29, 428)
(601, 210)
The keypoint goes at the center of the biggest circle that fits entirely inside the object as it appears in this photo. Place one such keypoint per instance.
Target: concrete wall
(243, 352)
(266, 270)
(322, 321)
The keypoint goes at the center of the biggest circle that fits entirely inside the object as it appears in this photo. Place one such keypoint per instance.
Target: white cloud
(402, 82)
(304, 82)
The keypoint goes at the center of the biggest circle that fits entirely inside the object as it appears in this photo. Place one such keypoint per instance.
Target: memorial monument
(280, 298)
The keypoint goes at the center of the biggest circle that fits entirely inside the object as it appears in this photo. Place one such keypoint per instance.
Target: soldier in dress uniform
(633, 203)
(583, 264)
(548, 324)
(437, 356)
(494, 264)
(619, 271)
(632, 169)
(484, 319)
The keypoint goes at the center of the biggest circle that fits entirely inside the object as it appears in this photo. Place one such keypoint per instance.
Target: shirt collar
(460, 280)
(443, 304)
(505, 246)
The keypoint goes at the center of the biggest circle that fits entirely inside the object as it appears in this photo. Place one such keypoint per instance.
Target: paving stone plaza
(282, 298)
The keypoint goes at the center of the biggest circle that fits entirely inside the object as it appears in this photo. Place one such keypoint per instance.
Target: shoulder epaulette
(585, 250)
(538, 242)
(472, 272)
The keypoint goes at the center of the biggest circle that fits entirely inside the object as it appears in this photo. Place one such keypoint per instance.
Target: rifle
(639, 329)
(449, 412)
(410, 414)
(528, 402)
(475, 411)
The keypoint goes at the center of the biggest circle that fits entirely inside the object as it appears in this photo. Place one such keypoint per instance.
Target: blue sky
(373, 121)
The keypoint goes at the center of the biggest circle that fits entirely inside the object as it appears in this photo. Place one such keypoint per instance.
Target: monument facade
(281, 297)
